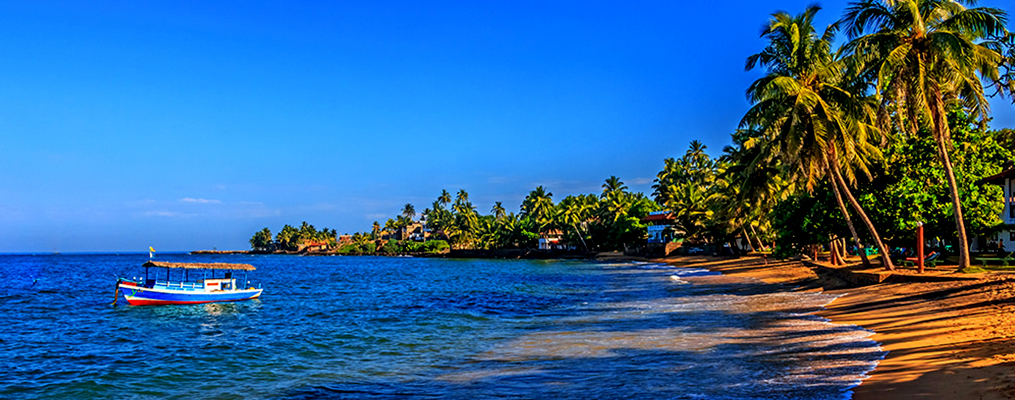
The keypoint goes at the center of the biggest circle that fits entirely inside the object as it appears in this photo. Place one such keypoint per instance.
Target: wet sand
(945, 340)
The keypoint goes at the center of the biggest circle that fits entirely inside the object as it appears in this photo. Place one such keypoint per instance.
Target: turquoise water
(373, 327)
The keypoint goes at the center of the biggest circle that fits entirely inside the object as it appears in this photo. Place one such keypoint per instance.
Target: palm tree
(375, 230)
(1005, 84)
(538, 205)
(409, 211)
(390, 226)
(613, 184)
(498, 211)
(444, 198)
(755, 181)
(924, 56)
(811, 113)
(262, 240)
(686, 187)
(573, 211)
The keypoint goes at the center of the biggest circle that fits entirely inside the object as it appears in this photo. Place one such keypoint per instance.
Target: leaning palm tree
(810, 113)
(926, 55)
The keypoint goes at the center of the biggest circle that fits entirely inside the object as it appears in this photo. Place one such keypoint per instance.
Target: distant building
(661, 226)
(344, 239)
(416, 231)
(660, 232)
(1006, 236)
(313, 246)
(551, 240)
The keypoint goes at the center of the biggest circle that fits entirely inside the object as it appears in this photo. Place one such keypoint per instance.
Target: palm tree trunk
(838, 250)
(750, 246)
(580, 236)
(885, 255)
(832, 253)
(761, 245)
(849, 222)
(841, 247)
(941, 135)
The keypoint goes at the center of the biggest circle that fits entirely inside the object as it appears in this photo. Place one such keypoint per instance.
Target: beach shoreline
(949, 339)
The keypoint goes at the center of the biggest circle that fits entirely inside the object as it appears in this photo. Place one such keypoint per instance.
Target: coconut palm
(926, 55)
(498, 211)
(390, 226)
(409, 211)
(572, 211)
(812, 115)
(754, 179)
(613, 184)
(538, 205)
(1005, 84)
(444, 198)
(262, 240)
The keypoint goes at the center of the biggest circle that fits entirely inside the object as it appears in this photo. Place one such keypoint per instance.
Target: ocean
(400, 327)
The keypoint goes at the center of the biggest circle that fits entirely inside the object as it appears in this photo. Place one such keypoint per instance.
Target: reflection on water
(366, 327)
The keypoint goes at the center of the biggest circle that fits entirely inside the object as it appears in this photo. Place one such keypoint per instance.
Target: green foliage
(390, 247)
(538, 206)
(607, 221)
(430, 246)
(358, 248)
(690, 188)
(912, 186)
(292, 239)
(367, 247)
(804, 220)
(262, 240)
(287, 238)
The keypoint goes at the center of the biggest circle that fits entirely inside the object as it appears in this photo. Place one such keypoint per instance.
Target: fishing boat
(198, 283)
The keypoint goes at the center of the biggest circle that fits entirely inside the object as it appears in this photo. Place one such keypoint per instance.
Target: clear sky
(191, 125)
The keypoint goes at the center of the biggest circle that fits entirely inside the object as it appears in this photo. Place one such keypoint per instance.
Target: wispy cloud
(642, 181)
(167, 214)
(199, 200)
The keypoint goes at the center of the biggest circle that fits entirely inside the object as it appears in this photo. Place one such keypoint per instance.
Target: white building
(1006, 237)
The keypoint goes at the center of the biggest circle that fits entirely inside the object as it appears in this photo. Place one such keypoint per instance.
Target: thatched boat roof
(162, 264)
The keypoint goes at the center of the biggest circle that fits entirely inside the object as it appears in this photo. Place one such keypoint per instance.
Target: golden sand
(945, 340)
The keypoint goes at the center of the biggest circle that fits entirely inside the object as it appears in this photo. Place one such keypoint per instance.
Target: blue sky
(190, 125)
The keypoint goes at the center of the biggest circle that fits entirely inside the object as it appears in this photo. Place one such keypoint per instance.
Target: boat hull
(142, 296)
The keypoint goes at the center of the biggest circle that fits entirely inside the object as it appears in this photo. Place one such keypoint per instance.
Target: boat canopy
(162, 264)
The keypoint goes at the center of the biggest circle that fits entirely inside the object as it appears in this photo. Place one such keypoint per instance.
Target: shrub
(391, 247)
(367, 248)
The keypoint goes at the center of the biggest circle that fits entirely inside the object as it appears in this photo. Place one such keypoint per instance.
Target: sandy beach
(945, 340)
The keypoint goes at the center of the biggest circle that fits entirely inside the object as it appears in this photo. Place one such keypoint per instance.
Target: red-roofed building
(661, 232)
(661, 226)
